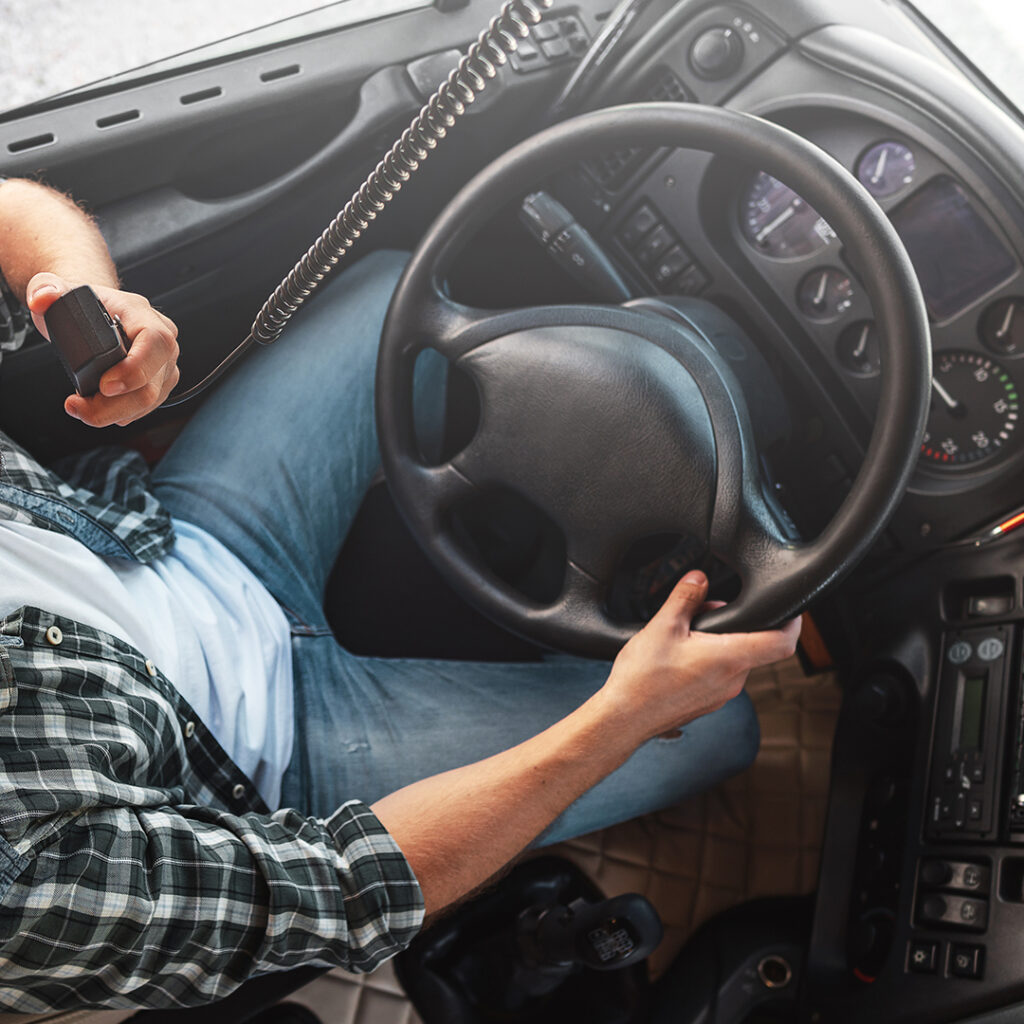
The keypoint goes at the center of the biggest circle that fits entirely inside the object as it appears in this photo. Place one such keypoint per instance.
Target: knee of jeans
(741, 733)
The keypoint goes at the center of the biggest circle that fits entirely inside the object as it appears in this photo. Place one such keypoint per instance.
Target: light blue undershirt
(198, 613)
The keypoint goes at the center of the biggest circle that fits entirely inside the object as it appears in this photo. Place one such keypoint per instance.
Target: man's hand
(668, 675)
(143, 379)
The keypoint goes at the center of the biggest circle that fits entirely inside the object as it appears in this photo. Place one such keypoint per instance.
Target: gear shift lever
(605, 936)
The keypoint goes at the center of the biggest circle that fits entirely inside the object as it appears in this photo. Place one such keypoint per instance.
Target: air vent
(33, 143)
(113, 119)
(203, 94)
(273, 76)
(665, 86)
(613, 170)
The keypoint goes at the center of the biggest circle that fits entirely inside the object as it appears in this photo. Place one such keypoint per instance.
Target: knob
(717, 53)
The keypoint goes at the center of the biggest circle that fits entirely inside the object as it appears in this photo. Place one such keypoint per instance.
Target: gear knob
(605, 936)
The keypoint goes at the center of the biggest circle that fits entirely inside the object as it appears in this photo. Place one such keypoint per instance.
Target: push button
(674, 262)
(922, 957)
(654, 245)
(642, 221)
(967, 961)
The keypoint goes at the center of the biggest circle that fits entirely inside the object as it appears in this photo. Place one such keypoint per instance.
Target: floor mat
(756, 835)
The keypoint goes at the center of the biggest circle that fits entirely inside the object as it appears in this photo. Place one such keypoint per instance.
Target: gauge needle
(945, 395)
(777, 223)
(819, 296)
(862, 344)
(880, 167)
(1007, 320)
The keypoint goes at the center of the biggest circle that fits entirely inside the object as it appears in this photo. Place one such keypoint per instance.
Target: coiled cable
(478, 66)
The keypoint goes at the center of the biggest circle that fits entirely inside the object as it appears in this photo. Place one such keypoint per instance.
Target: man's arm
(49, 246)
(459, 828)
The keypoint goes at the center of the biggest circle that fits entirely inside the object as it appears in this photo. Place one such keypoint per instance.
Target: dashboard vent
(665, 86)
(612, 170)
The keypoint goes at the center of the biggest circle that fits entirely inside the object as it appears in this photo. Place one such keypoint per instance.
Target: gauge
(778, 223)
(1002, 327)
(857, 349)
(825, 294)
(886, 169)
(974, 410)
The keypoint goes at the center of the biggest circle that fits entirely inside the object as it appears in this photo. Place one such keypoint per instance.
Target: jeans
(275, 466)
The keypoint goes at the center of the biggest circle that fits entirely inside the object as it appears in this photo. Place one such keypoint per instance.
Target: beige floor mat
(756, 835)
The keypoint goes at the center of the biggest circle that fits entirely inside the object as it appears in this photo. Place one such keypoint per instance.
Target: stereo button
(960, 652)
(990, 648)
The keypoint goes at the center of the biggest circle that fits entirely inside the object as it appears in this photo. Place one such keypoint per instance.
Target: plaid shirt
(138, 865)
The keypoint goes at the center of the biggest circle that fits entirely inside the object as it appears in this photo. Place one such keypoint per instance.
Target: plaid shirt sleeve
(173, 907)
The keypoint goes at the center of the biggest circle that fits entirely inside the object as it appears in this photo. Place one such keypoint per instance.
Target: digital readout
(957, 256)
(971, 709)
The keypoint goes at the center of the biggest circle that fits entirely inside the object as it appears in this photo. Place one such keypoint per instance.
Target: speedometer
(974, 410)
(778, 223)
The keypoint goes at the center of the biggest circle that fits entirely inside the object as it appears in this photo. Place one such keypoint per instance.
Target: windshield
(48, 47)
(989, 33)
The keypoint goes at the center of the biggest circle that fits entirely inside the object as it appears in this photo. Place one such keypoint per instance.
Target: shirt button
(190, 730)
(150, 667)
(54, 636)
(239, 791)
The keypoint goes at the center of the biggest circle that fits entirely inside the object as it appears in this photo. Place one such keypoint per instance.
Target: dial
(825, 294)
(886, 168)
(857, 349)
(1002, 327)
(974, 410)
(779, 224)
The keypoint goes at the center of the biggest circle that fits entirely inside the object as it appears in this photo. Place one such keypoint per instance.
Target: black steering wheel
(621, 425)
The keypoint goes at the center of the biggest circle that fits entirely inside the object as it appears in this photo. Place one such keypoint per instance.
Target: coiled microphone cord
(431, 125)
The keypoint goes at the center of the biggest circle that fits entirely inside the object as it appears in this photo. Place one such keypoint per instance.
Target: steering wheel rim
(788, 576)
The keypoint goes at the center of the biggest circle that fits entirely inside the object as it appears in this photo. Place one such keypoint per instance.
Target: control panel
(967, 750)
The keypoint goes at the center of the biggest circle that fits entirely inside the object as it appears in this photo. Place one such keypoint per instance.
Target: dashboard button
(638, 225)
(654, 245)
(555, 49)
(990, 648)
(922, 957)
(967, 961)
(692, 281)
(674, 262)
(959, 652)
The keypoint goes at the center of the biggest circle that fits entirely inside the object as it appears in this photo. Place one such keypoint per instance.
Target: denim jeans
(275, 466)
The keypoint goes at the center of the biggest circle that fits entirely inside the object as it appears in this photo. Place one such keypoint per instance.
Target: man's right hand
(668, 674)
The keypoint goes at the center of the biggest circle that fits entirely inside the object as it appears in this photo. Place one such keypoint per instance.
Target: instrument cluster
(969, 274)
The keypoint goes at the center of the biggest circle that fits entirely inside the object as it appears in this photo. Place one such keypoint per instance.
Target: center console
(925, 837)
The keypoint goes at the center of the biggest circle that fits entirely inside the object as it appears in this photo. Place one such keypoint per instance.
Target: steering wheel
(621, 425)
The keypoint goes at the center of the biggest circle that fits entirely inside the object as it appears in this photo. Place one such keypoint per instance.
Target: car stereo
(967, 751)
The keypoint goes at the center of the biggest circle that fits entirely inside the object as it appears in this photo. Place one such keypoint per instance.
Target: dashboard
(689, 223)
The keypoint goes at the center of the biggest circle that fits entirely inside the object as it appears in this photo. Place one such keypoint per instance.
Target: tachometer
(974, 410)
(778, 223)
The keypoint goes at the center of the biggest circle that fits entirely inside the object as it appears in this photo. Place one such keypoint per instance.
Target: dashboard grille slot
(612, 170)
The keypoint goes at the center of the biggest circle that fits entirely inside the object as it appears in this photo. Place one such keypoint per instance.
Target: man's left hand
(143, 379)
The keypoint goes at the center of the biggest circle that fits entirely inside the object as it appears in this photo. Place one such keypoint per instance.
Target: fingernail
(694, 577)
(114, 387)
(43, 289)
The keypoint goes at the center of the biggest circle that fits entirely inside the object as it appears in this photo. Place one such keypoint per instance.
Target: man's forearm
(459, 828)
(41, 230)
